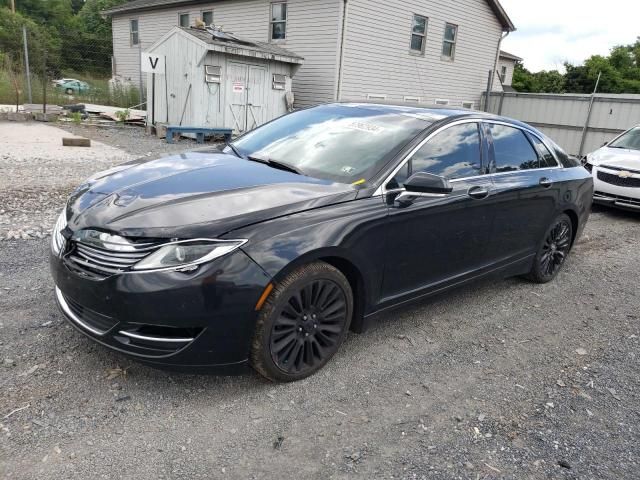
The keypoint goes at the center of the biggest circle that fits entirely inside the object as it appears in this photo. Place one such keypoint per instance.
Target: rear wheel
(553, 251)
(303, 323)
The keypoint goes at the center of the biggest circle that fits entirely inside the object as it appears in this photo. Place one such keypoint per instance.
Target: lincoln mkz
(266, 252)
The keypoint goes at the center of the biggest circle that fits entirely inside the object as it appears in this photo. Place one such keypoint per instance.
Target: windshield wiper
(234, 149)
(275, 164)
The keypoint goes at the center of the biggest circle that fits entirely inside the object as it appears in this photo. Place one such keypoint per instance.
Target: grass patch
(99, 93)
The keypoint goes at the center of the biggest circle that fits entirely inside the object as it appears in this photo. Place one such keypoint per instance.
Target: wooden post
(26, 62)
(44, 81)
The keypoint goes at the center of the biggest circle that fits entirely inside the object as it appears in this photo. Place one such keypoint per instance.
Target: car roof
(432, 113)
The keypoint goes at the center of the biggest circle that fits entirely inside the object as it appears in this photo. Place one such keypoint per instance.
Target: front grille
(618, 181)
(98, 322)
(100, 260)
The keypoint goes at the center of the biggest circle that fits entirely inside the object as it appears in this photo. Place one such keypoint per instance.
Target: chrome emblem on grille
(624, 174)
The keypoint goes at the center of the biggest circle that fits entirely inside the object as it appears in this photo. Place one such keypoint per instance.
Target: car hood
(616, 157)
(194, 194)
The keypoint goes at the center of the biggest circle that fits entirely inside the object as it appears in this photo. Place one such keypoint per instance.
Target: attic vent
(440, 101)
(279, 82)
(212, 74)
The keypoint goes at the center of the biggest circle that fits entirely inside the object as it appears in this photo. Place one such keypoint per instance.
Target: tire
(69, 91)
(302, 324)
(553, 250)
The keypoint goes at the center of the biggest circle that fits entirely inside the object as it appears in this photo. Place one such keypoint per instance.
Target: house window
(134, 37)
(183, 20)
(278, 21)
(449, 43)
(212, 73)
(418, 34)
(207, 17)
(503, 72)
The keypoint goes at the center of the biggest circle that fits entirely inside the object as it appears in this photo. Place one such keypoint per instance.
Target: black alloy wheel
(303, 323)
(554, 250)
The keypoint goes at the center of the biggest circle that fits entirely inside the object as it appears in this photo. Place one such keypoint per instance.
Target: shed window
(278, 21)
(419, 34)
(133, 32)
(449, 42)
(279, 82)
(503, 72)
(207, 17)
(183, 20)
(212, 73)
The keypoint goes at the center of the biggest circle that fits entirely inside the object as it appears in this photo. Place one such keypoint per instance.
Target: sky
(550, 32)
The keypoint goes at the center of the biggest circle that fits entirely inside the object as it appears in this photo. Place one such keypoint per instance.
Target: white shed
(214, 79)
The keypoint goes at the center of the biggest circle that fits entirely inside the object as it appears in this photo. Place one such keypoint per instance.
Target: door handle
(478, 192)
(545, 182)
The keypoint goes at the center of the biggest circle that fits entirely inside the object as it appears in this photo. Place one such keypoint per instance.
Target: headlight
(58, 242)
(187, 254)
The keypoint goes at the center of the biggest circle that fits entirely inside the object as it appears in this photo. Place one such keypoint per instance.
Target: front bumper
(202, 320)
(605, 193)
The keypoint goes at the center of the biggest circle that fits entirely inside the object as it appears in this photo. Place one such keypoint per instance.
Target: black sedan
(267, 252)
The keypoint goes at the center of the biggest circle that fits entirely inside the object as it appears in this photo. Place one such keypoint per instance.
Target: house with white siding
(506, 65)
(427, 51)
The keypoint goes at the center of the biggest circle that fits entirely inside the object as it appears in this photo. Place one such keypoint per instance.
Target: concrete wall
(378, 60)
(563, 117)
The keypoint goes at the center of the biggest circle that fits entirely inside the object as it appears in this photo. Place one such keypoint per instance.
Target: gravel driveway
(498, 380)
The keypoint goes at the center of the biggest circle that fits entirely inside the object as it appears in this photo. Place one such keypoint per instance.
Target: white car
(616, 171)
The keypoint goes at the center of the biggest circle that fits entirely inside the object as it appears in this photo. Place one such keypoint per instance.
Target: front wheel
(553, 250)
(303, 323)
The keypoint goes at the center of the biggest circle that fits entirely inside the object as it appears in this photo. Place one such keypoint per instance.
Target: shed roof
(132, 5)
(235, 45)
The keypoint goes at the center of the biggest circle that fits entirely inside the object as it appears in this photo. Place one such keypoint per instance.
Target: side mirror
(422, 182)
(605, 144)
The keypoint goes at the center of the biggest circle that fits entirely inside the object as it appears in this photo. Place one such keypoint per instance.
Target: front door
(439, 239)
(246, 104)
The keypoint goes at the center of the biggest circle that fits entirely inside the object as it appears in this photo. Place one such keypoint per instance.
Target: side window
(452, 153)
(547, 160)
(513, 151)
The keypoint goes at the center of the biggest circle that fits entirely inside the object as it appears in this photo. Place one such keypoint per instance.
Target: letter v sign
(153, 62)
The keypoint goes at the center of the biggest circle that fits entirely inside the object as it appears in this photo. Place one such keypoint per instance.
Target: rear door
(526, 197)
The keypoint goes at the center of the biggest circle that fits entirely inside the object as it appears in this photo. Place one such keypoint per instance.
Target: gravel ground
(37, 173)
(498, 380)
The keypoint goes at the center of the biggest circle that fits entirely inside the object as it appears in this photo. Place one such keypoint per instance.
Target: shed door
(256, 96)
(237, 95)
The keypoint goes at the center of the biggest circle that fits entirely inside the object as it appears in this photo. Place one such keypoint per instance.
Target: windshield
(630, 139)
(341, 143)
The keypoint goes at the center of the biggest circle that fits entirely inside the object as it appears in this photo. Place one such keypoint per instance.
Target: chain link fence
(71, 68)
